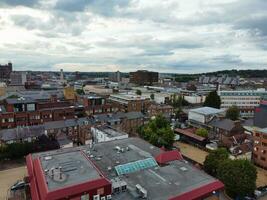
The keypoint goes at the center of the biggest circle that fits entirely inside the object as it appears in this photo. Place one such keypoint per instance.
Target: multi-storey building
(130, 103)
(143, 77)
(95, 104)
(245, 100)
(156, 109)
(260, 147)
(18, 78)
(28, 111)
(5, 71)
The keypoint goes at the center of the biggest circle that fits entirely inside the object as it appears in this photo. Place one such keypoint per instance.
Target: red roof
(168, 156)
(189, 134)
(39, 189)
(200, 192)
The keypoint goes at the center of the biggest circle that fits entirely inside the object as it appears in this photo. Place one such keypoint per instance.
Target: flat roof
(110, 131)
(64, 168)
(176, 179)
(161, 183)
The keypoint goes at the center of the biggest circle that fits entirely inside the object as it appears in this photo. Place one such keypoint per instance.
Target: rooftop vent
(184, 169)
(141, 191)
(48, 158)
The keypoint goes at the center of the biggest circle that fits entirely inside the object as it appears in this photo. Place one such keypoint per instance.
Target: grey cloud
(102, 7)
(28, 3)
(58, 23)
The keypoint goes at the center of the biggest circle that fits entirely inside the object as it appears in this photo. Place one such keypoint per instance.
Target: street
(9, 177)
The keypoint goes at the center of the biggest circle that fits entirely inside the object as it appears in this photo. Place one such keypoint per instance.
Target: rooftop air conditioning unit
(141, 191)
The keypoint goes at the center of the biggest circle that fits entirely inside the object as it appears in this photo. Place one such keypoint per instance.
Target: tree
(202, 132)
(138, 92)
(214, 160)
(80, 91)
(152, 96)
(232, 113)
(213, 100)
(178, 101)
(238, 176)
(158, 132)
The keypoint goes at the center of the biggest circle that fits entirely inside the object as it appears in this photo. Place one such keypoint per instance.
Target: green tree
(214, 160)
(152, 96)
(80, 91)
(238, 176)
(177, 101)
(158, 132)
(213, 100)
(138, 92)
(232, 113)
(202, 132)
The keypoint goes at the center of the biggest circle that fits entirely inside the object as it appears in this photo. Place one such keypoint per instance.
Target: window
(85, 197)
(264, 144)
(263, 158)
(31, 107)
(96, 197)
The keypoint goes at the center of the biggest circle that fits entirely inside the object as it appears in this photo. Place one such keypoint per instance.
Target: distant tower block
(61, 75)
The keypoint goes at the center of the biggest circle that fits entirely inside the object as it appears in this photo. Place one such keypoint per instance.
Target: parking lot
(199, 156)
(8, 177)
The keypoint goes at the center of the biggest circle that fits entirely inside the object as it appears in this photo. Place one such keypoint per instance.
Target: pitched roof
(225, 124)
(168, 156)
(21, 133)
(189, 134)
(207, 110)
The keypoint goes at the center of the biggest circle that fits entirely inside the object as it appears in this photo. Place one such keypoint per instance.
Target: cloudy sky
(179, 36)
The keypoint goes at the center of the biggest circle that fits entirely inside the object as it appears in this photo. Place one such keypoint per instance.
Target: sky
(174, 36)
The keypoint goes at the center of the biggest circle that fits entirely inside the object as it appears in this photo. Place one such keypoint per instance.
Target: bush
(202, 132)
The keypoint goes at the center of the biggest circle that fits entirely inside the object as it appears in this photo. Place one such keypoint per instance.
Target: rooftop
(207, 110)
(110, 131)
(130, 162)
(64, 168)
(127, 97)
(161, 183)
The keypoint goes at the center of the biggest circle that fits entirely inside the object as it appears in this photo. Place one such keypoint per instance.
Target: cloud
(29, 3)
(170, 35)
(101, 7)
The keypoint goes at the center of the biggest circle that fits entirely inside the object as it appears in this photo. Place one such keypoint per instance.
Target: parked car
(18, 185)
(261, 191)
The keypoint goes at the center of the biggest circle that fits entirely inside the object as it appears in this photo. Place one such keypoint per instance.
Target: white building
(202, 116)
(245, 100)
(195, 99)
(107, 133)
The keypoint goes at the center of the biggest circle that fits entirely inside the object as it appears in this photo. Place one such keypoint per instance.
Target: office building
(143, 77)
(5, 71)
(245, 100)
(18, 78)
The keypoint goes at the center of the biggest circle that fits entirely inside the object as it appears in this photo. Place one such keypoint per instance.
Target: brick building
(127, 122)
(5, 71)
(95, 104)
(28, 111)
(156, 109)
(143, 77)
(130, 103)
(260, 148)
